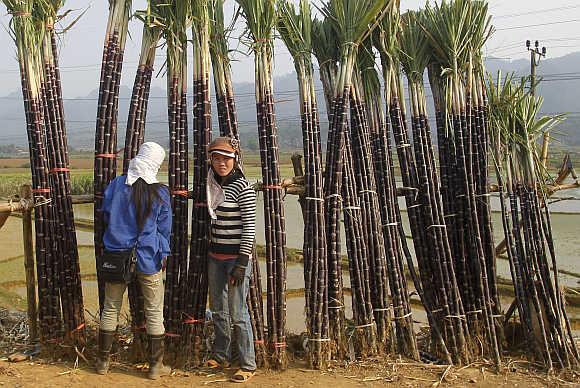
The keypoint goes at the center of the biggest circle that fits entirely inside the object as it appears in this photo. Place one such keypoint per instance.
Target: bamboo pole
(26, 194)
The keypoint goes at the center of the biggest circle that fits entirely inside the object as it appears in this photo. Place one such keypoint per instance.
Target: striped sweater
(234, 229)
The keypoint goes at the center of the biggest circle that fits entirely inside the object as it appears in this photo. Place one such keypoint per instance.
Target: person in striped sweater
(232, 207)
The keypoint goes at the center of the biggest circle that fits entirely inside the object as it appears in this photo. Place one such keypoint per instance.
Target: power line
(538, 25)
(537, 11)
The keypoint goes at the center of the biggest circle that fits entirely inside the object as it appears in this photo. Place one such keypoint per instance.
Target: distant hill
(561, 92)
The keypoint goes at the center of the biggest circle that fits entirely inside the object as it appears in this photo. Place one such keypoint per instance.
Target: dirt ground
(374, 373)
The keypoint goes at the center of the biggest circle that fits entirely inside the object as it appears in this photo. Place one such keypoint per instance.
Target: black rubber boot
(104, 357)
(156, 350)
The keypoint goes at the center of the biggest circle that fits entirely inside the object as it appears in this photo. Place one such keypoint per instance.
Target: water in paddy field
(565, 226)
(565, 218)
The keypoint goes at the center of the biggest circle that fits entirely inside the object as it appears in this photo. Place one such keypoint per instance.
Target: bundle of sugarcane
(364, 334)
(177, 17)
(394, 239)
(260, 18)
(134, 137)
(351, 23)
(28, 42)
(325, 49)
(371, 215)
(456, 31)
(71, 294)
(196, 286)
(228, 125)
(479, 109)
(152, 29)
(437, 268)
(515, 130)
(105, 165)
(296, 32)
(387, 44)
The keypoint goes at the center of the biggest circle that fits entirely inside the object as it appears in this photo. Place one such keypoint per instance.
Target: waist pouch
(118, 266)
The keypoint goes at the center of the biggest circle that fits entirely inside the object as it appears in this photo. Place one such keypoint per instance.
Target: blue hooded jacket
(121, 232)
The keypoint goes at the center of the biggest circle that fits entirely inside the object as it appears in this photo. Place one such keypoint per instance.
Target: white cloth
(215, 194)
(146, 164)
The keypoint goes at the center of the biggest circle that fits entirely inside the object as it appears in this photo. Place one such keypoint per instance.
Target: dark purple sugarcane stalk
(105, 164)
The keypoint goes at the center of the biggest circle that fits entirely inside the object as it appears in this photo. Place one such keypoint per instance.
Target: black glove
(237, 275)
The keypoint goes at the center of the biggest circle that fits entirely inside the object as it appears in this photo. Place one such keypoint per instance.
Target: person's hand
(237, 275)
(164, 264)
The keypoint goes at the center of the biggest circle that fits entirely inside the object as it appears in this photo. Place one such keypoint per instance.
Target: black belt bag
(118, 266)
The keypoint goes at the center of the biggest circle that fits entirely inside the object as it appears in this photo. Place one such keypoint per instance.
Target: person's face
(222, 165)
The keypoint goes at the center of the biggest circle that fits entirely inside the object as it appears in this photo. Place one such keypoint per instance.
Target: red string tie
(200, 204)
(109, 156)
(259, 342)
(183, 193)
(272, 187)
(60, 169)
(173, 335)
(193, 320)
(78, 328)
(279, 344)
(41, 190)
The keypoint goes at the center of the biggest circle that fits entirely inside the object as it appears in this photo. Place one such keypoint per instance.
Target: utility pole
(535, 55)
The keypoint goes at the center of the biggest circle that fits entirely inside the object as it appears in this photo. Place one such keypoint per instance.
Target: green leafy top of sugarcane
(219, 33)
(385, 36)
(295, 29)
(324, 45)
(177, 17)
(28, 39)
(355, 20)
(153, 26)
(261, 20)
(201, 40)
(516, 128)
(119, 14)
(386, 40)
(447, 27)
(367, 67)
(414, 51)
(481, 30)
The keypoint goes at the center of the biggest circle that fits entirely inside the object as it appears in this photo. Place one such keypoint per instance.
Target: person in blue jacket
(137, 213)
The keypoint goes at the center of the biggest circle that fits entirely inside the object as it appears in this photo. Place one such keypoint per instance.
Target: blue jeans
(228, 306)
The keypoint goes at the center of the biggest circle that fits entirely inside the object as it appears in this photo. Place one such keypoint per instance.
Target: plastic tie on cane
(183, 193)
(172, 335)
(272, 187)
(279, 345)
(459, 316)
(314, 199)
(365, 325)
(259, 342)
(200, 204)
(318, 339)
(403, 316)
(78, 328)
(436, 226)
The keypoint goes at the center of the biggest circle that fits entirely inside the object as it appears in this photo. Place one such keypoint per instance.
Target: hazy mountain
(560, 89)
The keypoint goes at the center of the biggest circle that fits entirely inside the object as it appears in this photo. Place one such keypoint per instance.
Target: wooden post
(26, 193)
(299, 172)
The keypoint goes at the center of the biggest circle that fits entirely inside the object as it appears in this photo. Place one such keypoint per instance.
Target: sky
(556, 24)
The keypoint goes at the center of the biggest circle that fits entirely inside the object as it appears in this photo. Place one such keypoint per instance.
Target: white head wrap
(146, 164)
